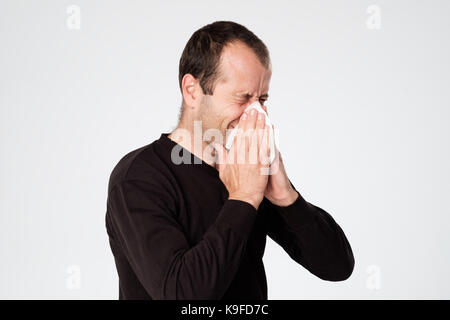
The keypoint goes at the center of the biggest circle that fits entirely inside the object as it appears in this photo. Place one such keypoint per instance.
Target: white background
(363, 116)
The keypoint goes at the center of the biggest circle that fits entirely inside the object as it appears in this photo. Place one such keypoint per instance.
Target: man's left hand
(279, 190)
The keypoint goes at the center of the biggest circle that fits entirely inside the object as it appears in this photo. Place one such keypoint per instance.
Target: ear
(192, 92)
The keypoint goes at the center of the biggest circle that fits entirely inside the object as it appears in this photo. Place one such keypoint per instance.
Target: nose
(252, 100)
(256, 99)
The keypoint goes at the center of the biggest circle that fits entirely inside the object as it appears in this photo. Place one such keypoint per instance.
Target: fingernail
(244, 116)
(260, 116)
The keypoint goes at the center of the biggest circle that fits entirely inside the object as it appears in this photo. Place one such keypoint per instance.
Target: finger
(261, 123)
(265, 109)
(257, 121)
(252, 116)
(240, 147)
(251, 133)
(240, 127)
(254, 147)
(265, 148)
(243, 135)
(267, 140)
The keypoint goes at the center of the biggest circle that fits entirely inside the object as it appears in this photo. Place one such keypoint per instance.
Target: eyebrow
(248, 95)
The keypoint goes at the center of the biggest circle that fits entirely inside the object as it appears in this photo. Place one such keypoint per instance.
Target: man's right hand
(240, 168)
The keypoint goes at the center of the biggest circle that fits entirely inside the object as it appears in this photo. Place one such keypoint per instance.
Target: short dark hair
(201, 55)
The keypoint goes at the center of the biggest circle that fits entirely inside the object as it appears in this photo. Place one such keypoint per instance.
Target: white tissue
(255, 105)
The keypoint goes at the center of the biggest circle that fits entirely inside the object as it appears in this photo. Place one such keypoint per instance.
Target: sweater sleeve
(144, 220)
(311, 237)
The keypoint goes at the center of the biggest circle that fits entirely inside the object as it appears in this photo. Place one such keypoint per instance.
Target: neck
(190, 136)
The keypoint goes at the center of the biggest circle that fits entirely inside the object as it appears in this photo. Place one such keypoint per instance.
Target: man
(196, 229)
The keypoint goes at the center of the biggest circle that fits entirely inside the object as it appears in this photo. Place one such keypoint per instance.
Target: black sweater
(175, 234)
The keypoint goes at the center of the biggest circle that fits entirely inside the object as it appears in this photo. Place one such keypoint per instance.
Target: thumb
(221, 154)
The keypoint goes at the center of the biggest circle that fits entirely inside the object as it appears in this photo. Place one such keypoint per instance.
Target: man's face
(243, 80)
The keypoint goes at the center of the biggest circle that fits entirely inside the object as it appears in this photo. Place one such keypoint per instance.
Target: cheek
(236, 112)
(231, 111)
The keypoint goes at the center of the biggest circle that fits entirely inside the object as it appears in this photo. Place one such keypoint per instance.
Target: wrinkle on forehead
(241, 68)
